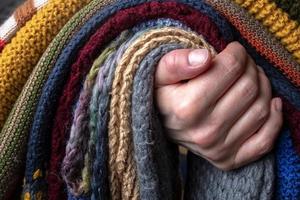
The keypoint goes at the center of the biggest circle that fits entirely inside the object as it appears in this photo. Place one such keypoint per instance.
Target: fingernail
(278, 104)
(198, 57)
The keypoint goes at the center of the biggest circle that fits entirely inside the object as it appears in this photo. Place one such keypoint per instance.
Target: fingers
(262, 142)
(254, 117)
(228, 66)
(238, 98)
(182, 64)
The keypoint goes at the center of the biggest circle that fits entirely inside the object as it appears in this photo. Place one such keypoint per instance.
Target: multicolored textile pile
(77, 116)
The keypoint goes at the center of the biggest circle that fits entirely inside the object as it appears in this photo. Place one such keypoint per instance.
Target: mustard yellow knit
(19, 57)
(277, 21)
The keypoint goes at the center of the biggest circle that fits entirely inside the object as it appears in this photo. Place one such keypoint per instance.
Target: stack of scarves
(77, 113)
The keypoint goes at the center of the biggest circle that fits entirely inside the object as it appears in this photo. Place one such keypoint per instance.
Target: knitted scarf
(18, 19)
(88, 113)
(20, 56)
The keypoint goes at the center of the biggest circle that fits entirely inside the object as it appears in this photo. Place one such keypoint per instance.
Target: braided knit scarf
(87, 107)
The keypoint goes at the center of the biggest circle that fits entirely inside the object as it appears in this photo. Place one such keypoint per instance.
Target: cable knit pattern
(87, 109)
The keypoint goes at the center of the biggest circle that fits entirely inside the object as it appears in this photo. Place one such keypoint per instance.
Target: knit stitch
(16, 128)
(63, 119)
(277, 21)
(121, 141)
(18, 19)
(20, 56)
(80, 132)
(261, 39)
(291, 7)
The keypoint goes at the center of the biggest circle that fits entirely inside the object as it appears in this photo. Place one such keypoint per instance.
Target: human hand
(219, 108)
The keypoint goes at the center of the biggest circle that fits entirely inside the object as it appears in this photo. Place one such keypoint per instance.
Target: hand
(219, 108)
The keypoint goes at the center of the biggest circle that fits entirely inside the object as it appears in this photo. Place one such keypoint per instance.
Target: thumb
(180, 65)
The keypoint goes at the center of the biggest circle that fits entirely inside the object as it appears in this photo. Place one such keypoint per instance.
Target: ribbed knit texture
(79, 69)
(277, 21)
(259, 37)
(291, 7)
(94, 131)
(20, 56)
(22, 115)
(77, 146)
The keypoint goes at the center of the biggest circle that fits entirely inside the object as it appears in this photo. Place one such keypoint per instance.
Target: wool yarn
(63, 122)
(291, 7)
(259, 37)
(22, 54)
(37, 141)
(277, 21)
(18, 19)
(76, 149)
(102, 118)
(14, 134)
(7, 7)
(87, 108)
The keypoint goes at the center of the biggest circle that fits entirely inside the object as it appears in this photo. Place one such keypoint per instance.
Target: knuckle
(240, 48)
(261, 111)
(232, 64)
(169, 60)
(206, 138)
(250, 88)
(183, 111)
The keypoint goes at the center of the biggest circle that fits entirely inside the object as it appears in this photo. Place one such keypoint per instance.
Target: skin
(219, 108)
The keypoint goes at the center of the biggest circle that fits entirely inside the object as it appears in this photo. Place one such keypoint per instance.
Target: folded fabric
(88, 114)
(20, 56)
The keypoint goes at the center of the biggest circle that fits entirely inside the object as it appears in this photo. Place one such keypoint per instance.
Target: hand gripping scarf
(122, 151)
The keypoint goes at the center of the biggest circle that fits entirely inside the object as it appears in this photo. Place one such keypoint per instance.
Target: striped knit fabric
(85, 118)
(50, 17)
(23, 53)
(18, 19)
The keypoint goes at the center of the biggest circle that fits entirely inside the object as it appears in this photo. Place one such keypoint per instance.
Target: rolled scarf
(20, 56)
(95, 132)
(16, 130)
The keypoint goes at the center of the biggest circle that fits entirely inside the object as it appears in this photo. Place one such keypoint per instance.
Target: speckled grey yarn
(101, 99)
(255, 181)
(156, 159)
